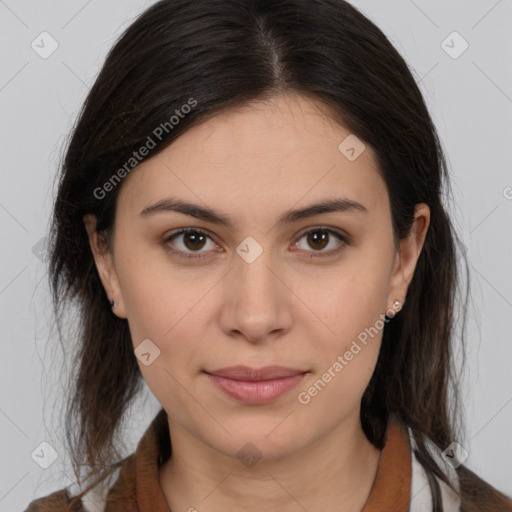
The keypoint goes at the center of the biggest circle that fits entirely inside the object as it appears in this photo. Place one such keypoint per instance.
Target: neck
(340, 468)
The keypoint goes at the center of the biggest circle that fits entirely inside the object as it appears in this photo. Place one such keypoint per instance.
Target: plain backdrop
(469, 95)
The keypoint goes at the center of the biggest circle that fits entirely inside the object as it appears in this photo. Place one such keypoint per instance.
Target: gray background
(470, 98)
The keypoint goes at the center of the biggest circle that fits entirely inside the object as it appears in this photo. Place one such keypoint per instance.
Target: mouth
(255, 385)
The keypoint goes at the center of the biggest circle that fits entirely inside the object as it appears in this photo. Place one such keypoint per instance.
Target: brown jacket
(137, 488)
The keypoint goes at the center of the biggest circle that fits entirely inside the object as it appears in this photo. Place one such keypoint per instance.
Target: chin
(259, 439)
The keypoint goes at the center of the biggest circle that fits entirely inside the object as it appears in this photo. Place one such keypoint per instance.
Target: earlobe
(103, 259)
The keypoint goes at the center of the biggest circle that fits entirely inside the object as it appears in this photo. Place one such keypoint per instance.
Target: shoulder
(56, 502)
(116, 487)
(94, 500)
(427, 488)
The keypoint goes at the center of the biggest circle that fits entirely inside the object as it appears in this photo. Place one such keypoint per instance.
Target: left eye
(194, 240)
(319, 238)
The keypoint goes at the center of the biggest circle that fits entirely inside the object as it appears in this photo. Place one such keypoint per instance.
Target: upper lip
(247, 373)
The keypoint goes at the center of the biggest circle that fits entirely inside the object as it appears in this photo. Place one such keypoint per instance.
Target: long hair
(217, 54)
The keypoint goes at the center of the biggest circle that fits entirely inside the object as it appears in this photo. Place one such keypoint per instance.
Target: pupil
(194, 236)
(319, 239)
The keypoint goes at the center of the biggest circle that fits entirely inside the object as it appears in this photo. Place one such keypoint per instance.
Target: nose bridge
(257, 295)
(255, 271)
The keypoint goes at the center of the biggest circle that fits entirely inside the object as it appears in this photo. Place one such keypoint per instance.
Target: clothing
(401, 484)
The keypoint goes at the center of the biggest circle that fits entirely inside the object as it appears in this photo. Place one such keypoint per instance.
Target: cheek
(348, 324)
(345, 361)
(167, 315)
(345, 304)
(173, 325)
(157, 295)
(336, 391)
(170, 308)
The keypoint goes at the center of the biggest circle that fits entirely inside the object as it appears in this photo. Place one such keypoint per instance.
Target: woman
(250, 219)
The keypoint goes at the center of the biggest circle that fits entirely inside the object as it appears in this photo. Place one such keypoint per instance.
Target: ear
(408, 254)
(104, 260)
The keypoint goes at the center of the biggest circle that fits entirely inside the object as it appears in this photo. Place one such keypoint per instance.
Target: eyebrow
(215, 217)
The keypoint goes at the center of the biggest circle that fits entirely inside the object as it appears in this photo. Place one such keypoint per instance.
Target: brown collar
(390, 492)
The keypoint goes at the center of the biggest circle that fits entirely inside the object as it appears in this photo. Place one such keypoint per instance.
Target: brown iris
(314, 239)
(196, 240)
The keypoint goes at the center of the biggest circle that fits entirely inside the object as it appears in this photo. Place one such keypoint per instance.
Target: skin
(252, 164)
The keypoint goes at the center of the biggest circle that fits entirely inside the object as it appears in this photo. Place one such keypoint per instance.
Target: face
(266, 287)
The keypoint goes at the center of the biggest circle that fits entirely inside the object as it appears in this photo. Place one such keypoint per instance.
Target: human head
(277, 303)
(251, 52)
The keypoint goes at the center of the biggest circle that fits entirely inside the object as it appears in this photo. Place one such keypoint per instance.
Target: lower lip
(256, 392)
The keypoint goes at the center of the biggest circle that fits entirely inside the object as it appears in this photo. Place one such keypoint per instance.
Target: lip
(246, 373)
(256, 385)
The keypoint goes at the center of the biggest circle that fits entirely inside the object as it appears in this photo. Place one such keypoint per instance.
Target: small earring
(397, 306)
(113, 304)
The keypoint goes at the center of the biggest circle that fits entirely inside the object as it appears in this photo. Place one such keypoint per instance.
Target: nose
(257, 300)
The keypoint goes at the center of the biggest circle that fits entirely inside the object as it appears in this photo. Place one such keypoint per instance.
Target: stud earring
(113, 304)
(397, 306)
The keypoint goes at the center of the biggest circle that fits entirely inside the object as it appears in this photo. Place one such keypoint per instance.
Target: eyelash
(314, 254)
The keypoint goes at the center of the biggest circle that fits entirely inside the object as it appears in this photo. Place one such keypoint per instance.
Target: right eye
(193, 238)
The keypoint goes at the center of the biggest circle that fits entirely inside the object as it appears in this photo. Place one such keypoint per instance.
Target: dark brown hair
(222, 54)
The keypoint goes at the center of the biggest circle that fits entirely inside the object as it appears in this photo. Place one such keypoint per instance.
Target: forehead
(262, 156)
